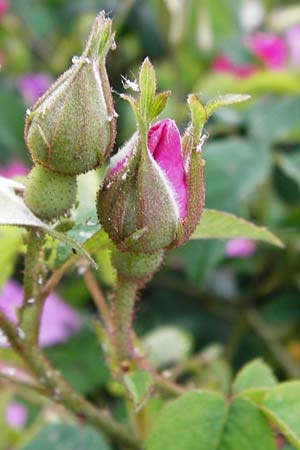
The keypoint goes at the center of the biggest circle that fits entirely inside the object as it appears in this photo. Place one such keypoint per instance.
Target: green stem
(124, 299)
(34, 277)
(60, 391)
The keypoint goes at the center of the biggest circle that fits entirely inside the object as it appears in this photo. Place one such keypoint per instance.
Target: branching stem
(60, 391)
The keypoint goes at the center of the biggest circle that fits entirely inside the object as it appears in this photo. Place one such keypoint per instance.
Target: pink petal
(59, 321)
(11, 298)
(33, 85)
(240, 248)
(293, 42)
(13, 168)
(4, 5)
(16, 415)
(270, 48)
(164, 144)
(222, 64)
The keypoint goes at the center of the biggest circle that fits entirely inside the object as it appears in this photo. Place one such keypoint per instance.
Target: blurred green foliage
(250, 307)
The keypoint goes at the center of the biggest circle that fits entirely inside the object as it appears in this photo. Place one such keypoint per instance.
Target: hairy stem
(98, 298)
(34, 276)
(61, 392)
(124, 299)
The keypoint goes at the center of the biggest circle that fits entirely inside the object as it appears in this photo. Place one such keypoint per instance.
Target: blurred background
(215, 305)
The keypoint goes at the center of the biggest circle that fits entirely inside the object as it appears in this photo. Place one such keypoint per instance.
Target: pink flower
(4, 5)
(59, 321)
(16, 415)
(293, 43)
(150, 188)
(164, 144)
(240, 248)
(13, 168)
(33, 85)
(223, 64)
(270, 48)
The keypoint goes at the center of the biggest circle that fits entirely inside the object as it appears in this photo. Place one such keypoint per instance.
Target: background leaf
(66, 437)
(221, 225)
(256, 374)
(139, 385)
(282, 406)
(193, 422)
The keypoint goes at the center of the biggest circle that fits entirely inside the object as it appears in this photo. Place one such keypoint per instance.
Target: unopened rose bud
(145, 201)
(71, 128)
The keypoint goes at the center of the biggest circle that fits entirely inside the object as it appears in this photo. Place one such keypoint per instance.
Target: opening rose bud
(148, 191)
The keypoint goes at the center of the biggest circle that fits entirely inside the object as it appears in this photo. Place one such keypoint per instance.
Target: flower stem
(61, 392)
(98, 298)
(34, 276)
(124, 299)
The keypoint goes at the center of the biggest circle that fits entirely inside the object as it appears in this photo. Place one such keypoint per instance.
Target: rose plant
(150, 200)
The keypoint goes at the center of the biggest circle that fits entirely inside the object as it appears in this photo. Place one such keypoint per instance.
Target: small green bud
(71, 128)
(137, 266)
(49, 195)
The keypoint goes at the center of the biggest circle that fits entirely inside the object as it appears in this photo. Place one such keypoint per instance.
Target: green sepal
(159, 103)
(147, 83)
(198, 116)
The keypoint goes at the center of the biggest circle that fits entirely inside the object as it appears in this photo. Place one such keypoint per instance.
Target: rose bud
(71, 128)
(153, 194)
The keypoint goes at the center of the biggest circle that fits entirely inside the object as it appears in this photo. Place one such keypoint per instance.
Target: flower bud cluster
(71, 128)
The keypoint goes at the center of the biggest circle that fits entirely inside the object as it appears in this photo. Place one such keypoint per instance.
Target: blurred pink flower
(270, 48)
(16, 415)
(240, 248)
(293, 43)
(279, 441)
(13, 168)
(59, 321)
(4, 5)
(33, 85)
(223, 64)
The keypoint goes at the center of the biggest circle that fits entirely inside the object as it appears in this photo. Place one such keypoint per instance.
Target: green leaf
(234, 170)
(99, 241)
(290, 164)
(147, 82)
(246, 428)
(13, 211)
(193, 422)
(254, 379)
(282, 406)
(85, 370)
(139, 385)
(61, 436)
(224, 100)
(11, 121)
(222, 225)
(275, 118)
(167, 345)
(199, 421)
(11, 243)
(200, 257)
